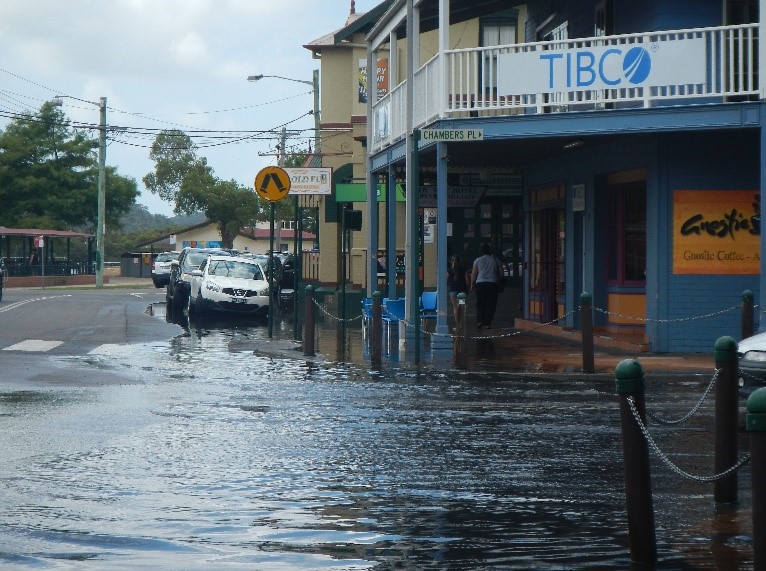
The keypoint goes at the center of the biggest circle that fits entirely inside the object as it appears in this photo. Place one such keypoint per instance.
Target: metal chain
(693, 410)
(677, 320)
(323, 310)
(670, 464)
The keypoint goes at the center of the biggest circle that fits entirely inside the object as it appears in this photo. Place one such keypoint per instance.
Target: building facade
(605, 146)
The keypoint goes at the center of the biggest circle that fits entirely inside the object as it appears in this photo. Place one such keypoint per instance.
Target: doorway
(547, 273)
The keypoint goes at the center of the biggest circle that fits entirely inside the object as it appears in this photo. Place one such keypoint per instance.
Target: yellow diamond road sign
(272, 183)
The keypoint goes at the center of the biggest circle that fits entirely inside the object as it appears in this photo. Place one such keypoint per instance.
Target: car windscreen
(235, 269)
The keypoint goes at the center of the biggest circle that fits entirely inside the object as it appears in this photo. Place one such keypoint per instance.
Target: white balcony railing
(730, 70)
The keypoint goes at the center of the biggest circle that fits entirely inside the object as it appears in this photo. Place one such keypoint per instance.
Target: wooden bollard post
(586, 320)
(458, 347)
(629, 377)
(748, 321)
(755, 423)
(376, 332)
(726, 418)
(308, 328)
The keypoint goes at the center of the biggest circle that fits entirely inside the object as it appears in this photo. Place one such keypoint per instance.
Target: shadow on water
(229, 459)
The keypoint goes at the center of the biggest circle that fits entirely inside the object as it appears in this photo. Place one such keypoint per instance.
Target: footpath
(513, 350)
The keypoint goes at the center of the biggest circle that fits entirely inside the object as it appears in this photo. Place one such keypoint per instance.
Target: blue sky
(163, 64)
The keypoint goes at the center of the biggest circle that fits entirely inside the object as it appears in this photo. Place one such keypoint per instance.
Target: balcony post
(443, 47)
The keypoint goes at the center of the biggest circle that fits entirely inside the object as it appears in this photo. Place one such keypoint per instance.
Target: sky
(171, 64)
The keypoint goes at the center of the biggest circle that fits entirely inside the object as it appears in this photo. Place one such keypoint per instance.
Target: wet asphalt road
(134, 443)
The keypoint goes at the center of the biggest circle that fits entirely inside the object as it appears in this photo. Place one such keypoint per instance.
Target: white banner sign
(310, 180)
(674, 62)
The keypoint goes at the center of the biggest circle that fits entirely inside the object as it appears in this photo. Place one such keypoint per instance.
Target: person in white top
(484, 280)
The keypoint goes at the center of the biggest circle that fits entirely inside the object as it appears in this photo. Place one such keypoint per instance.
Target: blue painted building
(616, 149)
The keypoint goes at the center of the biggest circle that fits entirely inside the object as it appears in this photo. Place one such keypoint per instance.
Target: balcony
(584, 74)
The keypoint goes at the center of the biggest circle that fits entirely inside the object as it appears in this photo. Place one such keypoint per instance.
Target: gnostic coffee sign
(717, 232)
(676, 62)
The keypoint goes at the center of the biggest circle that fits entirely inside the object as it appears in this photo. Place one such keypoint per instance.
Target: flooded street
(219, 457)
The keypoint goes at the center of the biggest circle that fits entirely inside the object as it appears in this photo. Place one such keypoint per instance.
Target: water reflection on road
(223, 458)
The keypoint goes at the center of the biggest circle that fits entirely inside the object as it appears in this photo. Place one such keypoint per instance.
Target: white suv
(161, 268)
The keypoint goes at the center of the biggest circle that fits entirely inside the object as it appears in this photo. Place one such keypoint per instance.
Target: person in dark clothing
(485, 275)
(456, 281)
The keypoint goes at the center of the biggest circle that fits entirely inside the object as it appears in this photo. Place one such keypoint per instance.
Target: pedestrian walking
(485, 276)
(457, 281)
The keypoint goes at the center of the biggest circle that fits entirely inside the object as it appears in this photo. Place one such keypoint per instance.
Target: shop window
(626, 233)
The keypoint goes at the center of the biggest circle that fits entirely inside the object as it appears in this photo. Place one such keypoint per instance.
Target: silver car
(161, 268)
(752, 363)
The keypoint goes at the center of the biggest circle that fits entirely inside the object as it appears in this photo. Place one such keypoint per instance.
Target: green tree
(180, 176)
(49, 175)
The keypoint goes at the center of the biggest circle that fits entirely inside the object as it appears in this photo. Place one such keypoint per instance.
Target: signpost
(272, 184)
(451, 135)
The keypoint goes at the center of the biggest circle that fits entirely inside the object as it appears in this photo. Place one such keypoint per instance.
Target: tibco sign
(678, 62)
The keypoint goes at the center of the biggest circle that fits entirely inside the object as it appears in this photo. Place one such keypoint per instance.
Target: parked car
(161, 267)
(752, 363)
(230, 284)
(3, 276)
(189, 259)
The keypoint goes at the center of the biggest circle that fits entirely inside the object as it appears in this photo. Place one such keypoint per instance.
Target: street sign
(452, 135)
(272, 183)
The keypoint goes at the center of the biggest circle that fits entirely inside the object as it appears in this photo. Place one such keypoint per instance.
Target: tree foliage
(49, 175)
(185, 179)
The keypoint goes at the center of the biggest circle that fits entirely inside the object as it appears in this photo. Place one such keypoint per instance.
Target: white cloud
(168, 63)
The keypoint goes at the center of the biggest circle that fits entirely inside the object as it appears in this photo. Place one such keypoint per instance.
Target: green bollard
(726, 418)
(629, 381)
(376, 331)
(748, 320)
(755, 423)
(586, 320)
(458, 347)
(308, 327)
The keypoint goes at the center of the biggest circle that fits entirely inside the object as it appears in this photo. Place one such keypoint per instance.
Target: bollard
(376, 332)
(748, 321)
(726, 418)
(629, 380)
(308, 328)
(586, 318)
(755, 423)
(458, 347)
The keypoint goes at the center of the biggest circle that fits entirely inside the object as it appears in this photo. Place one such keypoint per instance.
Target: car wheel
(177, 300)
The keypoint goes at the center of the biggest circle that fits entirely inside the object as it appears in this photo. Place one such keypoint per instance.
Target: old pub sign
(716, 232)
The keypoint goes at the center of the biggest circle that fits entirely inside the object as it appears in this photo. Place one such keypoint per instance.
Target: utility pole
(101, 216)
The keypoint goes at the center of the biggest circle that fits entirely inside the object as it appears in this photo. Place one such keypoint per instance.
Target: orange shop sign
(716, 232)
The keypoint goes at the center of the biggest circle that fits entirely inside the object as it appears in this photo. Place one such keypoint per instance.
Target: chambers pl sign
(655, 64)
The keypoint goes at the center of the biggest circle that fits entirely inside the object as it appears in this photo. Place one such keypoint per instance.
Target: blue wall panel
(726, 160)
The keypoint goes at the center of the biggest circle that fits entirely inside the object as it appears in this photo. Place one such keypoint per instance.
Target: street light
(315, 88)
(101, 212)
(298, 236)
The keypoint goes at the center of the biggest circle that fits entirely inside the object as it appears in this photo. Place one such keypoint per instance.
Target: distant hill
(140, 219)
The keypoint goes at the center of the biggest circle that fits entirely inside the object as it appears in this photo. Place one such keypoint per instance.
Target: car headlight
(264, 292)
(757, 356)
(212, 286)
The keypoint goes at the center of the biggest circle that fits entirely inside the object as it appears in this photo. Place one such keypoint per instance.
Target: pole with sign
(272, 184)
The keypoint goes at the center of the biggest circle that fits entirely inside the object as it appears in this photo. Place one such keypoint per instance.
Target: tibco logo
(592, 68)
(637, 65)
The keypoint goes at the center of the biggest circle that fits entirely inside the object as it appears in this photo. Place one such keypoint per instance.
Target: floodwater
(218, 457)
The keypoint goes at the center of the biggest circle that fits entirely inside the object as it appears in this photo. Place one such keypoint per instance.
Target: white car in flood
(229, 284)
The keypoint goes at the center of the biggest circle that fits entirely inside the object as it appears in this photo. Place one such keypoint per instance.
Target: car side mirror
(196, 272)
